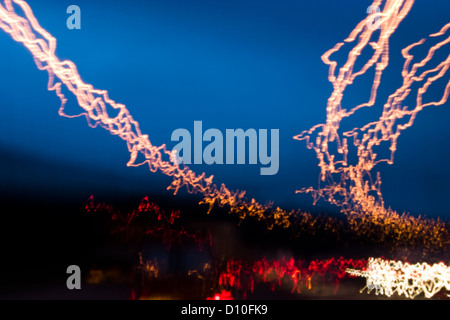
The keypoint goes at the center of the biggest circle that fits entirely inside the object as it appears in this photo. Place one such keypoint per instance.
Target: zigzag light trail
(354, 186)
(351, 186)
(96, 102)
(388, 277)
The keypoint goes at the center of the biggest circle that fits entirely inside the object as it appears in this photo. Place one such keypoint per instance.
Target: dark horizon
(251, 66)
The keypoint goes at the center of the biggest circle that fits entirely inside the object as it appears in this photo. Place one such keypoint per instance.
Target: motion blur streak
(388, 277)
(352, 186)
(150, 220)
(364, 210)
(99, 110)
(298, 275)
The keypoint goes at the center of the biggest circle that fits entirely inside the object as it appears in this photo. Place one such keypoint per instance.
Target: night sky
(230, 64)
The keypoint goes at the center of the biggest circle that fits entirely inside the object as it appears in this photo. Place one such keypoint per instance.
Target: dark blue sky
(231, 64)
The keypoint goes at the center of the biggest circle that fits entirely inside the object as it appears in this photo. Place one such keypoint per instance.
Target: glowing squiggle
(351, 186)
(100, 110)
(388, 277)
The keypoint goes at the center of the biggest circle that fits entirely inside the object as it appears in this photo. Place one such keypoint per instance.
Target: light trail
(352, 186)
(99, 110)
(364, 210)
(388, 277)
(148, 220)
(298, 275)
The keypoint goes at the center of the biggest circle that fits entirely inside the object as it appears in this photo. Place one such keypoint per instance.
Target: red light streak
(299, 274)
(163, 228)
(224, 295)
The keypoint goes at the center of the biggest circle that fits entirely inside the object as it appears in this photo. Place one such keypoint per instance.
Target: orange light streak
(355, 186)
(352, 186)
(99, 110)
